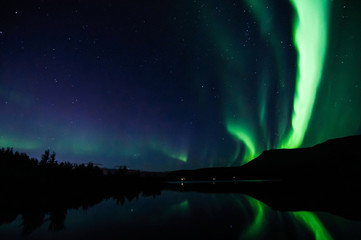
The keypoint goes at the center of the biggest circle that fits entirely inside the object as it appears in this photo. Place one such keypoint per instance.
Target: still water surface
(190, 215)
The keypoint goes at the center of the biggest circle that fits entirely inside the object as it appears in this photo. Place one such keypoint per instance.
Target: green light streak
(246, 137)
(180, 157)
(314, 224)
(336, 112)
(310, 37)
(258, 225)
(180, 154)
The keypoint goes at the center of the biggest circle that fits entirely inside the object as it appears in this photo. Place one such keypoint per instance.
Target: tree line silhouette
(43, 191)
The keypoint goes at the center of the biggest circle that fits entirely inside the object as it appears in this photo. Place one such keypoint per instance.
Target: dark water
(190, 215)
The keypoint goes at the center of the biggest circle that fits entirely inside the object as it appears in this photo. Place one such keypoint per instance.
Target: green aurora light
(314, 224)
(257, 226)
(310, 36)
(310, 39)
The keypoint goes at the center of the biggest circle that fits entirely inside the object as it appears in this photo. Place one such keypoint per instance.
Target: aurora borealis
(165, 85)
(311, 41)
(185, 84)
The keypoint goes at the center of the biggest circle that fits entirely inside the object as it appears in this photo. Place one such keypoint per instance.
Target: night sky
(162, 85)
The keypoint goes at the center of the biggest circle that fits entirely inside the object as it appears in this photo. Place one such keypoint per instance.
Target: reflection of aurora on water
(258, 226)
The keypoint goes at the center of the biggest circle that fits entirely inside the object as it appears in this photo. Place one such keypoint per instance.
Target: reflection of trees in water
(44, 191)
(34, 213)
(57, 219)
(39, 209)
(32, 219)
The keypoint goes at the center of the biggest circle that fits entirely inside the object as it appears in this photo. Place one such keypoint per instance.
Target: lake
(185, 215)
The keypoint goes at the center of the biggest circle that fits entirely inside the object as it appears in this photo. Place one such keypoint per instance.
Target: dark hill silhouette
(325, 177)
(337, 159)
